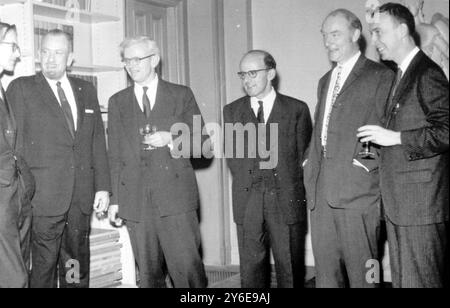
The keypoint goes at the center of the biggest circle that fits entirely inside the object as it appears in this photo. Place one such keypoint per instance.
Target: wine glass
(148, 130)
(366, 153)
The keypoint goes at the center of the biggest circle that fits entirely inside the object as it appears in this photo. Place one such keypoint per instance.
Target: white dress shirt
(68, 91)
(151, 92)
(407, 61)
(347, 68)
(268, 103)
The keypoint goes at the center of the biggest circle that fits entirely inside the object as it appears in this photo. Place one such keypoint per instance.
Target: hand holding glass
(147, 131)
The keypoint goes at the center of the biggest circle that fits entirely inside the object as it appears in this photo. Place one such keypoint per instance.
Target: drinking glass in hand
(148, 130)
(366, 153)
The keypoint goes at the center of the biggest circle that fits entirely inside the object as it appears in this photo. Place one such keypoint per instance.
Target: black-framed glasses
(136, 60)
(15, 47)
(252, 74)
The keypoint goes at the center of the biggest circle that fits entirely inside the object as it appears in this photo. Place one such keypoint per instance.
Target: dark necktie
(146, 103)
(65, 106)
(390, 110)
(261, 112)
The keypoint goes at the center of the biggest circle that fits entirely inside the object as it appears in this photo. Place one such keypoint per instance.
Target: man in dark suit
(268, 193)
(154, 187)
(342, 186)
(15, 178)
(415, 156)
(62, 139)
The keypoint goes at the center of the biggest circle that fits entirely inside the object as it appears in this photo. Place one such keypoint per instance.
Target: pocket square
(89, 111)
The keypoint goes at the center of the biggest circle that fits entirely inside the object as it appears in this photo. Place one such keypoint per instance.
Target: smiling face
(261, 85)
(387, 36)
(9, 54)
(340, 39)
(55, 56)
(144, 69)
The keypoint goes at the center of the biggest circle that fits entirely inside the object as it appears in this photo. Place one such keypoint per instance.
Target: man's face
(339, 39)
(55, 56)
(141, 70)
(9, 52)
(386, 36)
(261, 85)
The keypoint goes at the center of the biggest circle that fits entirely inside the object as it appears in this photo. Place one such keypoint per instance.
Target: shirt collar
(270, 98)
(350, 63)
(64, 80)
(407, 61)
(152, 85)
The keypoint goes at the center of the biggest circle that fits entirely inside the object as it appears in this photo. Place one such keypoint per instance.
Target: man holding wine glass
(341, 174)
(414, 155)
(154, 192)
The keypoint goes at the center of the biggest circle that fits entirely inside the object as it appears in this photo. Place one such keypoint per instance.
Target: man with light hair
(155, 192)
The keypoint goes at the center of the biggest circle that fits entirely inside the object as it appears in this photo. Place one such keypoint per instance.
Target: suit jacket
(174, 188)
(414, 175)
(361, 101)
(66, 169)
(294, 133)
(15, 175)
(8, 174)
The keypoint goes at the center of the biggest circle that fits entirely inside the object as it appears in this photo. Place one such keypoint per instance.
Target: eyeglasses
(252, 74)
(135, 61)
(15, 47)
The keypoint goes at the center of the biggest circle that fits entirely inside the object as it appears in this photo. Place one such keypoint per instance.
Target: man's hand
(114, 219)
(379, 135)
(101, 202)
(158, 139)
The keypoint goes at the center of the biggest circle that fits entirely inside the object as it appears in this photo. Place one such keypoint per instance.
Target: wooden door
(163, 21)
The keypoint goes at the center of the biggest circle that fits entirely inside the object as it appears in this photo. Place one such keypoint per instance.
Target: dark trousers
(60, 246)
(14, 233)
(172, 244)
(263, 229)
(418, 255)
(344, 241)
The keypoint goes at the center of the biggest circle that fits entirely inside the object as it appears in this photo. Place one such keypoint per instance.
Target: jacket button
(250, 171)
(247, 190)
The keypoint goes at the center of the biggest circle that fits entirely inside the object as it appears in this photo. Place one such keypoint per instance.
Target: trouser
(14, 228)
(172, 244)
(264, 228)
(60, 247)
(345, 243)
(418, 255)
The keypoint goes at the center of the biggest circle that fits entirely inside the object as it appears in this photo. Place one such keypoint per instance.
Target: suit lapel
(49, 99)
(322, 99)
(247, 114)
(278, 114)
(407, 76)
(129, 108)
(79, 99)
(164, 106)
(357, 70)
(403, 86)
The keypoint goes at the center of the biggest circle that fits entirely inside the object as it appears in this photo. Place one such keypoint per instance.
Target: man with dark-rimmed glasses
(154, 191)
(268, 203)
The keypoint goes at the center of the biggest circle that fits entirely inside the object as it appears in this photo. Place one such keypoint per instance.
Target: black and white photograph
(224, 148)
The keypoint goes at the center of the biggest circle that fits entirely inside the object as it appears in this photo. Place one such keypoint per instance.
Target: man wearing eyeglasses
(63, 141)
(155, 191)
(268, 200)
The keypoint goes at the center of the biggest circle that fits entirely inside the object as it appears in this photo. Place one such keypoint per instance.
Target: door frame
(176, 68)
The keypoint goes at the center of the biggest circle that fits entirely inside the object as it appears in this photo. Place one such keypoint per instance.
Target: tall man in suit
(63, 140)
(415, 156)
(15, 218)
(342, 187)
(268, 195)
(155, 190)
